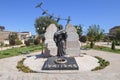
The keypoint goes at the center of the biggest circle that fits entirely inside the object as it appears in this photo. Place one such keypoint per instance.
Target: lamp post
(42, 36)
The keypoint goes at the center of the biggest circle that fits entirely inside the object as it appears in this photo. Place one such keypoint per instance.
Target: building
(24, 36)
(112, 31)
(4, 35)
(2, 28)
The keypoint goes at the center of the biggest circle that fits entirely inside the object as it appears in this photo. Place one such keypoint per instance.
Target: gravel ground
(8, 69)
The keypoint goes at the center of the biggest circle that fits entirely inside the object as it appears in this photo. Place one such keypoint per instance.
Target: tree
(36, 41)
(113, 45)
(42, 23)
(83, 39)
(117, 37)
(94, 33)
(60, 27)
(1, 45)
(79, 30)
(12, 38)
(27, 42)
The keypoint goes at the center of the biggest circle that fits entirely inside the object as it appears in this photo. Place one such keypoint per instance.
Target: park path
(10, 47)
(8, 69)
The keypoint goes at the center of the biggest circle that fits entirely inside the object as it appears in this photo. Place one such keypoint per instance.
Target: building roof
(116, 27)
(25, 32)
(2, 27)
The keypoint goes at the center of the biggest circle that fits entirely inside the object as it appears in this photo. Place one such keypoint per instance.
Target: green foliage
(91, 44)
(23, 68)
(1, 44)
(36, 41)
(60, 27)
(103, 48)
(18, 42)
(99, 47)
(117, 37)
(42, 23)
(79, 30)
(95, 33)
(113, 45)
(31, 40)
(27, 43)
(106, 38)
(103, 63)
(83, 39)
(117, 42)
(12, 38)
(12, 42)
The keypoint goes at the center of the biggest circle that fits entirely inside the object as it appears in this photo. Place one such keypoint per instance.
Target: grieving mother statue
(60, 40)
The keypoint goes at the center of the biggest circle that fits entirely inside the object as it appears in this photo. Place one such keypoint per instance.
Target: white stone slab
(51, 48)
(72, 43)
(85, 63)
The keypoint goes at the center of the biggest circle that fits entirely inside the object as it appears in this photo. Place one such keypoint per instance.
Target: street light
(43, 39)
(42, 36)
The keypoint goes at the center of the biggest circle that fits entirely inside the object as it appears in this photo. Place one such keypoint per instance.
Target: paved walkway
(9, 47)
(106, 44)
(8, 69)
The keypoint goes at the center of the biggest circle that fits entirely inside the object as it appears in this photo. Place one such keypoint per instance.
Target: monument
(59, 44)
(62, 51)
(60, 62)
(72, 43)
(51, 48)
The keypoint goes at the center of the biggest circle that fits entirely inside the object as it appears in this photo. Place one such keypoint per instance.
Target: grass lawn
(18, 51)
(102, 48)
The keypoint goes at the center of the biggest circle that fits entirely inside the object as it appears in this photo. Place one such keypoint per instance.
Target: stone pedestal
(51, 49)
(72, 43)
(69, 65)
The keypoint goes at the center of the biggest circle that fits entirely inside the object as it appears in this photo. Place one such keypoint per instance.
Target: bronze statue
(60, 40)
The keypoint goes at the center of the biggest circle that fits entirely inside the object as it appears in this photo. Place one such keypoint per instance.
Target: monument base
(70, 64)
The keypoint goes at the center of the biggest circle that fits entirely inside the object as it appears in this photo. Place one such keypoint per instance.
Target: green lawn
(18, 51)
(102, 48)
(107, 49)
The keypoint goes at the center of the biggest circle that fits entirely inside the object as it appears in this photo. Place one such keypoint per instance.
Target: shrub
(27, 43)
(18, 42)
(1, 44)
(6, 45)
(117, 43)
(6, 53)
(113, 45)
(83, 39)
(12, 42)
(36, 41)
(91, 44)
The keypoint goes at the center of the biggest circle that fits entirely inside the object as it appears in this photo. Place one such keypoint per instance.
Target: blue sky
(20, 15)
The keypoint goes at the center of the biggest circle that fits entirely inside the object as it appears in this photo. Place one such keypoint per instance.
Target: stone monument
(72, 43)
(51, 49)
(60, 62)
